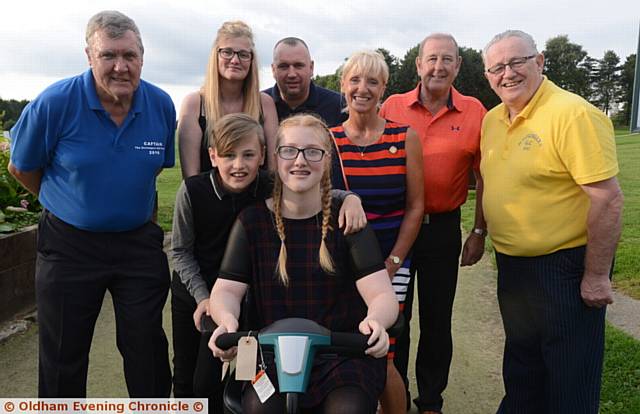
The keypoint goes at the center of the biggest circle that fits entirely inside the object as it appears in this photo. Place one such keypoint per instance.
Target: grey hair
(506, 34)
(115, 24)
(290, 41)
(446, 36)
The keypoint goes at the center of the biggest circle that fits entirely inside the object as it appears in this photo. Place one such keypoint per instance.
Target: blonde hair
(366, 62)
(211, 89)
(233, 128)
(321, 130)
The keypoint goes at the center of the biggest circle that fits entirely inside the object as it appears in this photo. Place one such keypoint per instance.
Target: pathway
(475, 385)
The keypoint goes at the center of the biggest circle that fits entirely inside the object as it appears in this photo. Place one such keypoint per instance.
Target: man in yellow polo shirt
(553, 206)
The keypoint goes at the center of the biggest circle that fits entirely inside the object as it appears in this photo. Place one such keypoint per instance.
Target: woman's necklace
(368, 141)
(363, 148)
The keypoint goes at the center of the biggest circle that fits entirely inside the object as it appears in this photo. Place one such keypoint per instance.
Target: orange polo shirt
(450, 144)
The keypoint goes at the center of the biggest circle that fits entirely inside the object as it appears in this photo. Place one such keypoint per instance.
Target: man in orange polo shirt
(448, 124)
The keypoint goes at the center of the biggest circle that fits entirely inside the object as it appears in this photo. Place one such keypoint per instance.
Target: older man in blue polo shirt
(91, 146)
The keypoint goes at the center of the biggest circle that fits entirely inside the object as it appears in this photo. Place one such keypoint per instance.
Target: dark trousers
(74, 269)
(196, 372)
(435, 257)
(554, 343)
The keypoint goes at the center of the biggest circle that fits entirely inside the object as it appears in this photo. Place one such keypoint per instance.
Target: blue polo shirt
(96, 176)
(324, 102)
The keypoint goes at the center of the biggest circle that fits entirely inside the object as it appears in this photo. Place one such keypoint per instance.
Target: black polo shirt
(323, 102)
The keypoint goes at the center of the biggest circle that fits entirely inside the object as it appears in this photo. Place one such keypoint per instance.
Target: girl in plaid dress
(298, 266)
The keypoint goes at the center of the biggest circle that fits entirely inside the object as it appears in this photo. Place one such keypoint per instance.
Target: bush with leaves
(18, 207)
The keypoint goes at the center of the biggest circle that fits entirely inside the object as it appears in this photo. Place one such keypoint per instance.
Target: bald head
(290, 41)
(292, 69)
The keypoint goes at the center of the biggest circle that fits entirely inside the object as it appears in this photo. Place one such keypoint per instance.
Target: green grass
(627, 269)
(167, 184)
(624, 130)
(620, 392)
(467, 219)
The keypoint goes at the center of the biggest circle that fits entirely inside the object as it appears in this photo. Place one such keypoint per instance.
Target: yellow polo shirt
(534, 165)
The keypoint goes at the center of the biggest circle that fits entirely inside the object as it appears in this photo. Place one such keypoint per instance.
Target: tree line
(605, 82)
(10, 112)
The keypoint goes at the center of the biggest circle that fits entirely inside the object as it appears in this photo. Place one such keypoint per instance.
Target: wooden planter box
(17, 272)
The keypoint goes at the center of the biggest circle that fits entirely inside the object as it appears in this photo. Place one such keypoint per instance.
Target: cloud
(45, 40)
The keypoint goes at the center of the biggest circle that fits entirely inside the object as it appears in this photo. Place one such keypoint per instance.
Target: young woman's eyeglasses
(291, 153)
(514, 64)
(227, 54)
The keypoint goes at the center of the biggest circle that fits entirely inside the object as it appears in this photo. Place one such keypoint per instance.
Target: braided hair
(319, 127)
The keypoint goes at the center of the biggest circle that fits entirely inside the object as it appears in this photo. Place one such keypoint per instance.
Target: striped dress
(377, 173)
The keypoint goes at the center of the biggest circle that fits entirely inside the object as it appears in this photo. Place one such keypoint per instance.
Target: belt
(441, 217)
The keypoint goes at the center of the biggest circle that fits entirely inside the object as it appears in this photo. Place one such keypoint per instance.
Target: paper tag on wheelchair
(263, 386)
(246, 358)
(225, 368)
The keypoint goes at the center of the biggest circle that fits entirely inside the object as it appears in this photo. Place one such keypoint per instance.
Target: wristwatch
(394, 259)
(480, 232)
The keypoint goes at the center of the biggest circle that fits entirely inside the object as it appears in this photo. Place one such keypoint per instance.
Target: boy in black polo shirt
(205, 210)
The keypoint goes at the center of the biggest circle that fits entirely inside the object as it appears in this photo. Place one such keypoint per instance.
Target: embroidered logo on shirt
(455, 128)
(153, 147)
(529, 141)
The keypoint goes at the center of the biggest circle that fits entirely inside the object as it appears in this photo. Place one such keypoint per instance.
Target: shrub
(18, 207)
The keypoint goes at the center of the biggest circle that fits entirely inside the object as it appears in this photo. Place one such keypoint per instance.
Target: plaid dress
(330, 300)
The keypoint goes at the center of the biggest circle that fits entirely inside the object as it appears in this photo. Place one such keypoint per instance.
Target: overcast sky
(43, 41)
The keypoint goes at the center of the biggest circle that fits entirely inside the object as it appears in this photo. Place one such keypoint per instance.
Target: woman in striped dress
(382, 163)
